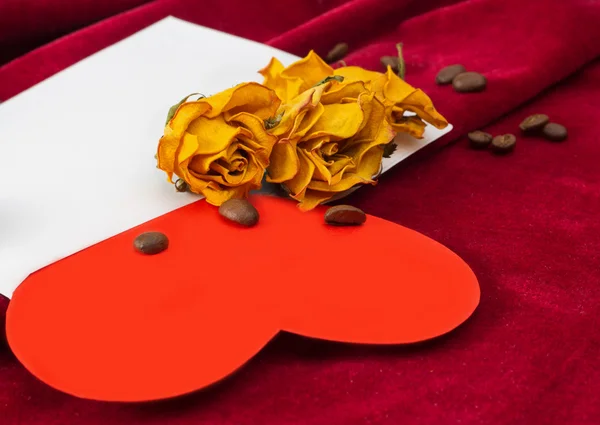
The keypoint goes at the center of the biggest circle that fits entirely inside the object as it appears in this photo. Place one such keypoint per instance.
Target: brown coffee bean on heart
(479, 139)
(534, 123)
(345, 215)
(555, 132)
(504, 143)
(447, 74)
(151, 243)
(338, 52)
(392, 61)
(239, 211)
(469, 82)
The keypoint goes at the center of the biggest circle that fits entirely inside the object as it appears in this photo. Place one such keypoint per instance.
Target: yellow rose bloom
(330, 139)
(397, 96)
(218, 145)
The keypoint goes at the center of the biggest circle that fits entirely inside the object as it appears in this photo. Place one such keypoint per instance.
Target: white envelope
(78, 149)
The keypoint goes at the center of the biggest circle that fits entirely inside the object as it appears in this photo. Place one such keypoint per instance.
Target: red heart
(111, 324)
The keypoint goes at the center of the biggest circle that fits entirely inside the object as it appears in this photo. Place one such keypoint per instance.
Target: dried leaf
(389, 149)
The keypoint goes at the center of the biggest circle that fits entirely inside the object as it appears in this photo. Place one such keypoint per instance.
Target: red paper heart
(111, 324)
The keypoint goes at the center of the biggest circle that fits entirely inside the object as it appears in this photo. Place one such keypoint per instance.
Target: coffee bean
(151, 243)
(338, 52)
(533, 123)
(181, 185)
(345, 215)
(469, 82)
(504, 143)
(479, 139)
(240, 211)
(392, 61)
(447, 74)
(555, 132)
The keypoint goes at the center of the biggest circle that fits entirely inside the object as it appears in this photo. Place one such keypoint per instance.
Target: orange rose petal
(419, 103)
(396, 90)
(185, 114)
(257, 128)
(311, 69)
(315, 143)
(307, 122)
(411, 125)
(356, 73)
(321, 171)
(271, 73)
(167, 149)
(339, 121)
(370, 162)
(221, 194)
(339, 167)
(363, 174)
(299, 105)
(284, 163)
(330, 148)
(194, 180)
(200, 164)
(298, 184)
(285, 88)
(213, 135)
(375, 117)
(187, 148)
(343, 91)
(313, 198)
(404, 95)
(253, 98)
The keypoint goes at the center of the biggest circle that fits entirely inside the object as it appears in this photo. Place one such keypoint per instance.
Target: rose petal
(375, 118)
(301, 180)
(355, 73)
(313, 198)
(185, 114)
(311, 69)
(339, 167)
(343, 92)
(404, 95)
(411, 125)
(216, 196)
(321, 171)
(286, 88)
(212, 135)
(167, 149)
(262, 142)
(253, 98)
(284, 163)
(339, 121)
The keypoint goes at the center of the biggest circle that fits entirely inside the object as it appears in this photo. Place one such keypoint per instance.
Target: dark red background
(527, 223)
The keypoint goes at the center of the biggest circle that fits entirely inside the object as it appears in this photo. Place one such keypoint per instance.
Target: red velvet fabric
(527, 223)
(26, 24)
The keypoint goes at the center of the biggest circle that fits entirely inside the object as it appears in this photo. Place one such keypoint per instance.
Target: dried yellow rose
(218, 144)
(398, 96)
(330, 139)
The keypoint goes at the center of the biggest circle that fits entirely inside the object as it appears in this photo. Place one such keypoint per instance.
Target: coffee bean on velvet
(469, 82)
(534, 123)
(338, 52)
(504, 143)
(479, 139)
(447, 74)
(555, 132)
